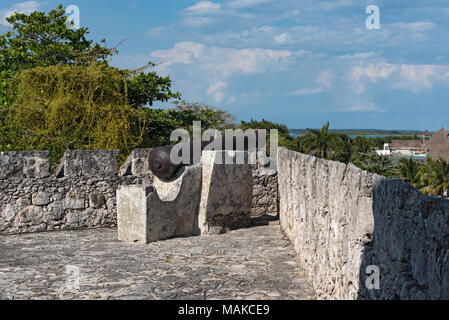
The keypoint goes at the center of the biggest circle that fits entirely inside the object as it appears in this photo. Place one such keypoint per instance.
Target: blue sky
(298, 62)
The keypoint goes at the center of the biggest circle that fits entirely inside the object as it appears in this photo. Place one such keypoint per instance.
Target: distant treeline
(366, 132)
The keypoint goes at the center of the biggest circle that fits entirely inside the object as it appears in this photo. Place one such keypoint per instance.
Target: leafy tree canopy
(73, 107)
(285, 139)
(160, 123)
(42, 39)
(58, 91)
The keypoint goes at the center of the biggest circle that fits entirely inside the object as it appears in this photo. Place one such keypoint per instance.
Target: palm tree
(440, 178)
(320, 142)
(410, 172)
(381, 165)
(362, 151)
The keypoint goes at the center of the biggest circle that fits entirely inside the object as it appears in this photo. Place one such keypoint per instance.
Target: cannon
(162, 166)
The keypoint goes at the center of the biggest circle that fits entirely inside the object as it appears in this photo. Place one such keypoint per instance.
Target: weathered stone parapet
(343, 220)
(24, 164)
(226, 194)
(70, 203)
(265, 191)
(89, 163)
(137, 163)
(82, 191)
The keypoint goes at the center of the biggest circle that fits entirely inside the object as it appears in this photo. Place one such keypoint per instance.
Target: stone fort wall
(81, 193)
(345, 223)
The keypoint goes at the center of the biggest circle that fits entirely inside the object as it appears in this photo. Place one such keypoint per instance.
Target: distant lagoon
(369, 136)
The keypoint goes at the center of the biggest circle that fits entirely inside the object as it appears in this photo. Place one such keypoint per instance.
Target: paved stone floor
(255, 263)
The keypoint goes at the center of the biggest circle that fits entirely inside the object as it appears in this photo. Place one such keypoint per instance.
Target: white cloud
(373, 71)
(160, 31)
(324, 81)
(22, 7)
(307, 91)
(282, 38)
(224, 62)
(197, 22)
(212, 72)
(200, 14)
(418, 77)
(217, 91)
(368, 107)
(238, 4)
(415, 26)
(402, 76)
(181, 53)
(205, 13)
(204, 8)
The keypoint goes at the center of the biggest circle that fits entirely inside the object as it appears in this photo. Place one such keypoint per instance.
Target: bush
(73, 107)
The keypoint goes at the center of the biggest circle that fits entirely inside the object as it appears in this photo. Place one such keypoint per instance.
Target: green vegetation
(366, 132)
(73, 107)
(284, 137)
(58, 92)
(430, 177)
(160, 123)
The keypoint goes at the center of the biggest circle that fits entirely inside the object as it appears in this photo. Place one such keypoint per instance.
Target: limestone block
(96, 200)
(90, 163)
(132, 213)
(31, 215)
(8, 213)
(28, 164)
(140, 162)
(74, 200)
(41, 198)
(343, 220)
(227, 192)
(146, 214)
(137, 163)
(55, 212)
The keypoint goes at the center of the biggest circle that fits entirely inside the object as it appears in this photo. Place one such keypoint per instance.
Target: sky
(297, 62)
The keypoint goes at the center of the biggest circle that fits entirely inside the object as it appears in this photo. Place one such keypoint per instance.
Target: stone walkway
(255, 263)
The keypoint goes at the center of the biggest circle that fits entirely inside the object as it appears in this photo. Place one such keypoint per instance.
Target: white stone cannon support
(227, 192)
(147, 214)
(202, 199)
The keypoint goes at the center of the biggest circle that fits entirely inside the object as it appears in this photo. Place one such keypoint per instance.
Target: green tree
(341, 148)
(160, 123)
(40, 43)
(285, 139)
(362, 152)
(381, 165)
(147, 88)
(73, 107)
(437, 178)
(320, 142)
(410, 171)
(42, 39)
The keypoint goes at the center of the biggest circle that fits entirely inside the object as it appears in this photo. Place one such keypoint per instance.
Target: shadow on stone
(264, 220)
(409, 246)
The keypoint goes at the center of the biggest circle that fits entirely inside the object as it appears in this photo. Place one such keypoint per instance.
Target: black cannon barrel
(162, 166)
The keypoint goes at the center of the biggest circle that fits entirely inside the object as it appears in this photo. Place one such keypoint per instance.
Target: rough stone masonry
(346, 223)
(81, 193)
